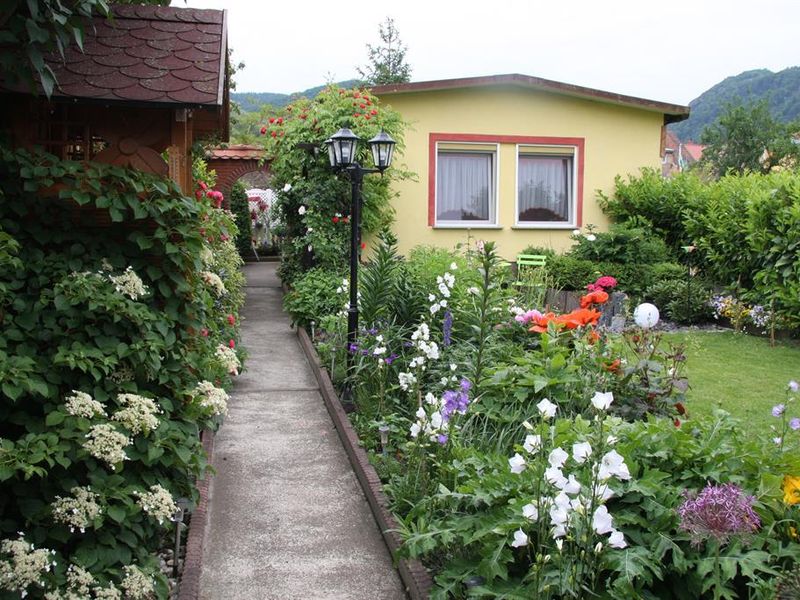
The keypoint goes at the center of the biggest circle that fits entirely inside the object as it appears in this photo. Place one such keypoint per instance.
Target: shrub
(571, 273)
(315, 296)
(240, 207)
(681, 302)
(539, 251)
(621, 244)
(117, 325)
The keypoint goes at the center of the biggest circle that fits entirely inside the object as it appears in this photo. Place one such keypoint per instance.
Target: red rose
(373, 112)
(367, 117)
(272, 119)
(335, 219)
(356, 95)
(204, 332)
(363, 245)
(223, 237)
(231, 320)
(280, 120)
(263, 131)
(356, 115)
(345, 219)
(203, 186)
(363, 105)
(202, 231)
(303, 116)
(677, 422)
(198, 194)
(231, 344)
(369, 103)
(273, 133)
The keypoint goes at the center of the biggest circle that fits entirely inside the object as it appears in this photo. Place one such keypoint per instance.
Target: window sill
(465, 226)
(540, 226)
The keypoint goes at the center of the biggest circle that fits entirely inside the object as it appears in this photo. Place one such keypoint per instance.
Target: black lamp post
(342, 149)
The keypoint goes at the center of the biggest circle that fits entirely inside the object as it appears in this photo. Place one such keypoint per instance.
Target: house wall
(616, 140)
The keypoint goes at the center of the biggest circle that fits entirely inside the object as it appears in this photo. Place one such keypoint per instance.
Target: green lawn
(741, 374)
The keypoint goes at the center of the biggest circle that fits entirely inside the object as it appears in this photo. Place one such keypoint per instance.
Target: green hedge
(117, 310)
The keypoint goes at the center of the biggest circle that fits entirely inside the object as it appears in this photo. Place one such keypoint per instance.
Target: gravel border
(189, 587)
(413, 573)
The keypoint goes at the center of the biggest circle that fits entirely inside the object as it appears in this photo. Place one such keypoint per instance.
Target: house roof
(237, 152)
(672, 112)
(148, 54)
(694, 150)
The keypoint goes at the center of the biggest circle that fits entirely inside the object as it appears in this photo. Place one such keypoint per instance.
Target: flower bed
(527, 454)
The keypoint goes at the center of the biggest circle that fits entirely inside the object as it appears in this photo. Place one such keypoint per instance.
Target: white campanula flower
(611, 440)
(435, 308)
(529, 511)
(602, 521)
(598, 547)
(473, 291)
(613, 465)
(547, 408)
(794, 386)
(431, 298)
(379, 350)
(449, 280)
(453, 266)
(557, 457)
(517, 463)
(415, 429)
(555, 476)
(520, 539)
(287, 187)
(603, 492)
(444, 290)
(560, 544)
(532, 443)
(436, 420)
(431, 399)
(301, 210)
(581, 451)
(617, 540)
(421, 414)
(453, 367)
(602, 400)
(572, 486)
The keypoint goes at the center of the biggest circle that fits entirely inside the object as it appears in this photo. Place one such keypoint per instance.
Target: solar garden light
(383, 430)
(177, 518)
(646, 315)
(342, 152)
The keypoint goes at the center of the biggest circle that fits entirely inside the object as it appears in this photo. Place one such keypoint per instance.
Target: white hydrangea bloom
(129, 284)
(212, 398)
(107, 593)
(107, 444)
(137, 585)
(77, 511)
(138, 415)
(157, 503)
(227, 356)
(214, 282)
(24, 566)
(81, 404)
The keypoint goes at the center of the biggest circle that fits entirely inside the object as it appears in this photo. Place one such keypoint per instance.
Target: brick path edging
(413, 573)
(189, 586)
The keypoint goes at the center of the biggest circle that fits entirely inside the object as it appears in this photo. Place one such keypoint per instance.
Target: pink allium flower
(719, 512)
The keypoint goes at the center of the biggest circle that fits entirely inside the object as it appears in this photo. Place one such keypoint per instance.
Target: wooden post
(180, 155)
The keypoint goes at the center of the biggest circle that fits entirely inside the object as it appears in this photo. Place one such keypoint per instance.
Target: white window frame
(494, 206)
(573, 202)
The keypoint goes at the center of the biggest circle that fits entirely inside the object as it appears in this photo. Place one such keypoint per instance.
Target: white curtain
(464, 186)
(545, 188)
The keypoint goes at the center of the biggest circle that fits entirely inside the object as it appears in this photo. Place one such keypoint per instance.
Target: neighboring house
(515, 159)
(678, 156)
(150, 80)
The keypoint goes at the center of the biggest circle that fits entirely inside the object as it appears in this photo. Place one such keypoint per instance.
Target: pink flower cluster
(528, 316)
(603, 284)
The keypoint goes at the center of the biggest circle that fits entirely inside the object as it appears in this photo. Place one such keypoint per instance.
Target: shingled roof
(148, 54)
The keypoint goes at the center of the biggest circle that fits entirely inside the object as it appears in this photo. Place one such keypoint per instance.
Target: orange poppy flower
(597, 297)
(613, 367)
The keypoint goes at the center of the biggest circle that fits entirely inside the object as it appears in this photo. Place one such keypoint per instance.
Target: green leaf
(54, 418)
(117, 513)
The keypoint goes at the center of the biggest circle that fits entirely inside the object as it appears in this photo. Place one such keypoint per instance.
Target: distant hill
(781, 88)
(251, 101)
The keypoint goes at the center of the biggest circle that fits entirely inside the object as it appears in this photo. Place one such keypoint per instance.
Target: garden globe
(646, 315)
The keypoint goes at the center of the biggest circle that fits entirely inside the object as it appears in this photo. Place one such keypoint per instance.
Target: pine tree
(386, 60)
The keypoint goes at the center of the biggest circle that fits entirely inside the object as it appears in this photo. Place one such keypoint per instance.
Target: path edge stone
(413, 573)
(189, 585)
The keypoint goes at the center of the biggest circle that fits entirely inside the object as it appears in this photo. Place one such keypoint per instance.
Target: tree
(30, 30)
(748, 138)
(387, 60)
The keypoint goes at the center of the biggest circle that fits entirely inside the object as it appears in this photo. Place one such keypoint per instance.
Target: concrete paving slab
(288, 519)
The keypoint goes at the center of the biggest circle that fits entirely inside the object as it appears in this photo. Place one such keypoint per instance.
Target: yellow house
(516, 159)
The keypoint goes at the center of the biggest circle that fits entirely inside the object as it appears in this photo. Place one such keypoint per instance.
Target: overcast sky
(669, 50)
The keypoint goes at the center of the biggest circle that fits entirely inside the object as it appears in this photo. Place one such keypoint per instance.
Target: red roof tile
(237, 152)
(151, 54)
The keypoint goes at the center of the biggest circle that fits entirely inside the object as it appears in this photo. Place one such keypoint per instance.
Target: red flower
(596, 297)
(231, 344)
(272, 119)
(280, 120)
(263, 131)
(231, 320)
(356, 95)
(363, 105)
(613, 367)
(345, 219)
(367, 117)
(202, 231)
(204, 332)
(223, 237)
(274, 133)
(335, 219)
(373, 112)
(369, 103)
(680, 408)
(203, 186)
(677, 422)
(363, 245)
(356, 115)
(198, 194)
(303, 116)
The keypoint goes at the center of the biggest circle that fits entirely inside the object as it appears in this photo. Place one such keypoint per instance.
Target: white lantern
(646, 315)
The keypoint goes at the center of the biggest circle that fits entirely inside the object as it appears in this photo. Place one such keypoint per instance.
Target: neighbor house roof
(694, 150)
(237, 152)
(148, 54)
(672, 112)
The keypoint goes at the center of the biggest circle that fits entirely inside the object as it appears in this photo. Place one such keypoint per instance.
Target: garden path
(287, 518)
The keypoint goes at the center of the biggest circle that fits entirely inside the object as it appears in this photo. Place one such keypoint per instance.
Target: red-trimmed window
(463, 180)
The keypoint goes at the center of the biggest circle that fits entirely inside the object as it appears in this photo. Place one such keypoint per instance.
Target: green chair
(528, 263)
